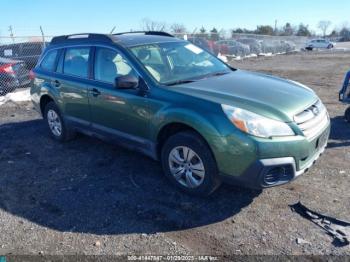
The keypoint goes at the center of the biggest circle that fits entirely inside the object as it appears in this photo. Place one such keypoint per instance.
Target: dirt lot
(63, 198)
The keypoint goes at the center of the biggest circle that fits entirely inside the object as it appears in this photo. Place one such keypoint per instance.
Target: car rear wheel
(189, 164)
(55, 123)
(309, 48)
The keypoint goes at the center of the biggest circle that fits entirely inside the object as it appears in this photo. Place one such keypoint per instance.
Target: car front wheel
(189, 164)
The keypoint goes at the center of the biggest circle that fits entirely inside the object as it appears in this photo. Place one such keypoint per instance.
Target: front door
(122, 112)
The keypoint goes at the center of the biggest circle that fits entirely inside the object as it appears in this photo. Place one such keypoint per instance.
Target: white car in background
(319, 43)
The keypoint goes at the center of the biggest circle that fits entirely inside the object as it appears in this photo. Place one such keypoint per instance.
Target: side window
(109, 64)
(49, 60)
(76, 61)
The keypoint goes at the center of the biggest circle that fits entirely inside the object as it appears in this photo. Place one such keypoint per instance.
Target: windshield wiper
(217, 74)
(220, 73)
(178, 82)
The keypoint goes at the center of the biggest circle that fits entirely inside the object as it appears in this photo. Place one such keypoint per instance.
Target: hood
(266, 95)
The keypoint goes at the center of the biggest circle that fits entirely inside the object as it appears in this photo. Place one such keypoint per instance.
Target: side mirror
(127, 82)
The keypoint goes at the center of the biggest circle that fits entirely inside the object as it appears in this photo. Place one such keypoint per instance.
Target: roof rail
(160, 33)
(83, 36)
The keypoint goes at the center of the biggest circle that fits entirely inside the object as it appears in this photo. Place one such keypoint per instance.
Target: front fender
(226, 142)
(183, 116)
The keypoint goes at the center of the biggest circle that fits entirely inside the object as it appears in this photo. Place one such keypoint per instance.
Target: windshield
(175, 62)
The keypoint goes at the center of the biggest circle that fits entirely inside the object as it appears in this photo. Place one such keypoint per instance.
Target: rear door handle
(56, 83)
(95, 92)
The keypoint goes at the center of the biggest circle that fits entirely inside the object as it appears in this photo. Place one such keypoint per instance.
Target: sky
(100, 16)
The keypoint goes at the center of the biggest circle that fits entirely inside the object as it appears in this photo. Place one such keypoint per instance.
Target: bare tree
(178, 28)
(151, 25)
(323, 26)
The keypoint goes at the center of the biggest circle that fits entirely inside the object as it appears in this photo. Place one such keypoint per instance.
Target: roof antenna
(112, 30)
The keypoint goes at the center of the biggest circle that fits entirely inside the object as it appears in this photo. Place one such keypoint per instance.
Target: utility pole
(43, 36)
(11, 33)
(276, 27)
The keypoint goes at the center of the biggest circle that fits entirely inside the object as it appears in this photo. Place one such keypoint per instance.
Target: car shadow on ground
(90, 186)
(340, 133)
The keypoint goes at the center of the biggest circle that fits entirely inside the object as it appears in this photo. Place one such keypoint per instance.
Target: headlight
(255, 124)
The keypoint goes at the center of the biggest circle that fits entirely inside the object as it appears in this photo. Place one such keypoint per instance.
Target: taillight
(31, 75)
(7, 68)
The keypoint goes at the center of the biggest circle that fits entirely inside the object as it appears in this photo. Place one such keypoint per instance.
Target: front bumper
(271, 172)
(274, 171)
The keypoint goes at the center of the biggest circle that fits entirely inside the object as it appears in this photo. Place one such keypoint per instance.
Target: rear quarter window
(49, 61)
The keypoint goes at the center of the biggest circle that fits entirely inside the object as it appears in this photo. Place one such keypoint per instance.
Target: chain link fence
(18, 55)
(246, 45)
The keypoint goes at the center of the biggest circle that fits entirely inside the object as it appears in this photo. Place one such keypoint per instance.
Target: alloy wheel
(186, 166)
(54, 122)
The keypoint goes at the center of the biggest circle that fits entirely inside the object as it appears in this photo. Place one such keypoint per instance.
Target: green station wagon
(206, 122)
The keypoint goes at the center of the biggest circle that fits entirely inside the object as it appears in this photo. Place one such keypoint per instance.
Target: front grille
(312, 120)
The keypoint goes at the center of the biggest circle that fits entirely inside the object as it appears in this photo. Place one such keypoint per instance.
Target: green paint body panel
(198, 105)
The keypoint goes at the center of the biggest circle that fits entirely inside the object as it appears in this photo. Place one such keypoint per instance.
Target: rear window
(76, 61)
(49, 61)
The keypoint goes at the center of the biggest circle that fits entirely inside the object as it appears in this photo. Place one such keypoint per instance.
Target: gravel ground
(90, 197)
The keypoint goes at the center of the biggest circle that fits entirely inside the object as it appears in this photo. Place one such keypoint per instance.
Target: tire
(55, 123)
(330, 46)
(347, 115)
(199, 174)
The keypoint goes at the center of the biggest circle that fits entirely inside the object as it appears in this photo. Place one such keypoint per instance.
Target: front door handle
(95, 92)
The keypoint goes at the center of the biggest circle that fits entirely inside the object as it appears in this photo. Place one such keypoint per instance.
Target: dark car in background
(28, 52)
(13, 74)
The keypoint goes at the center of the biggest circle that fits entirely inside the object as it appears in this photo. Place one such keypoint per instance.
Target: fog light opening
(279, 174)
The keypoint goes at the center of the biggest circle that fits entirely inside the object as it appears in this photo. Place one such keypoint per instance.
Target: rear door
(71, 82)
